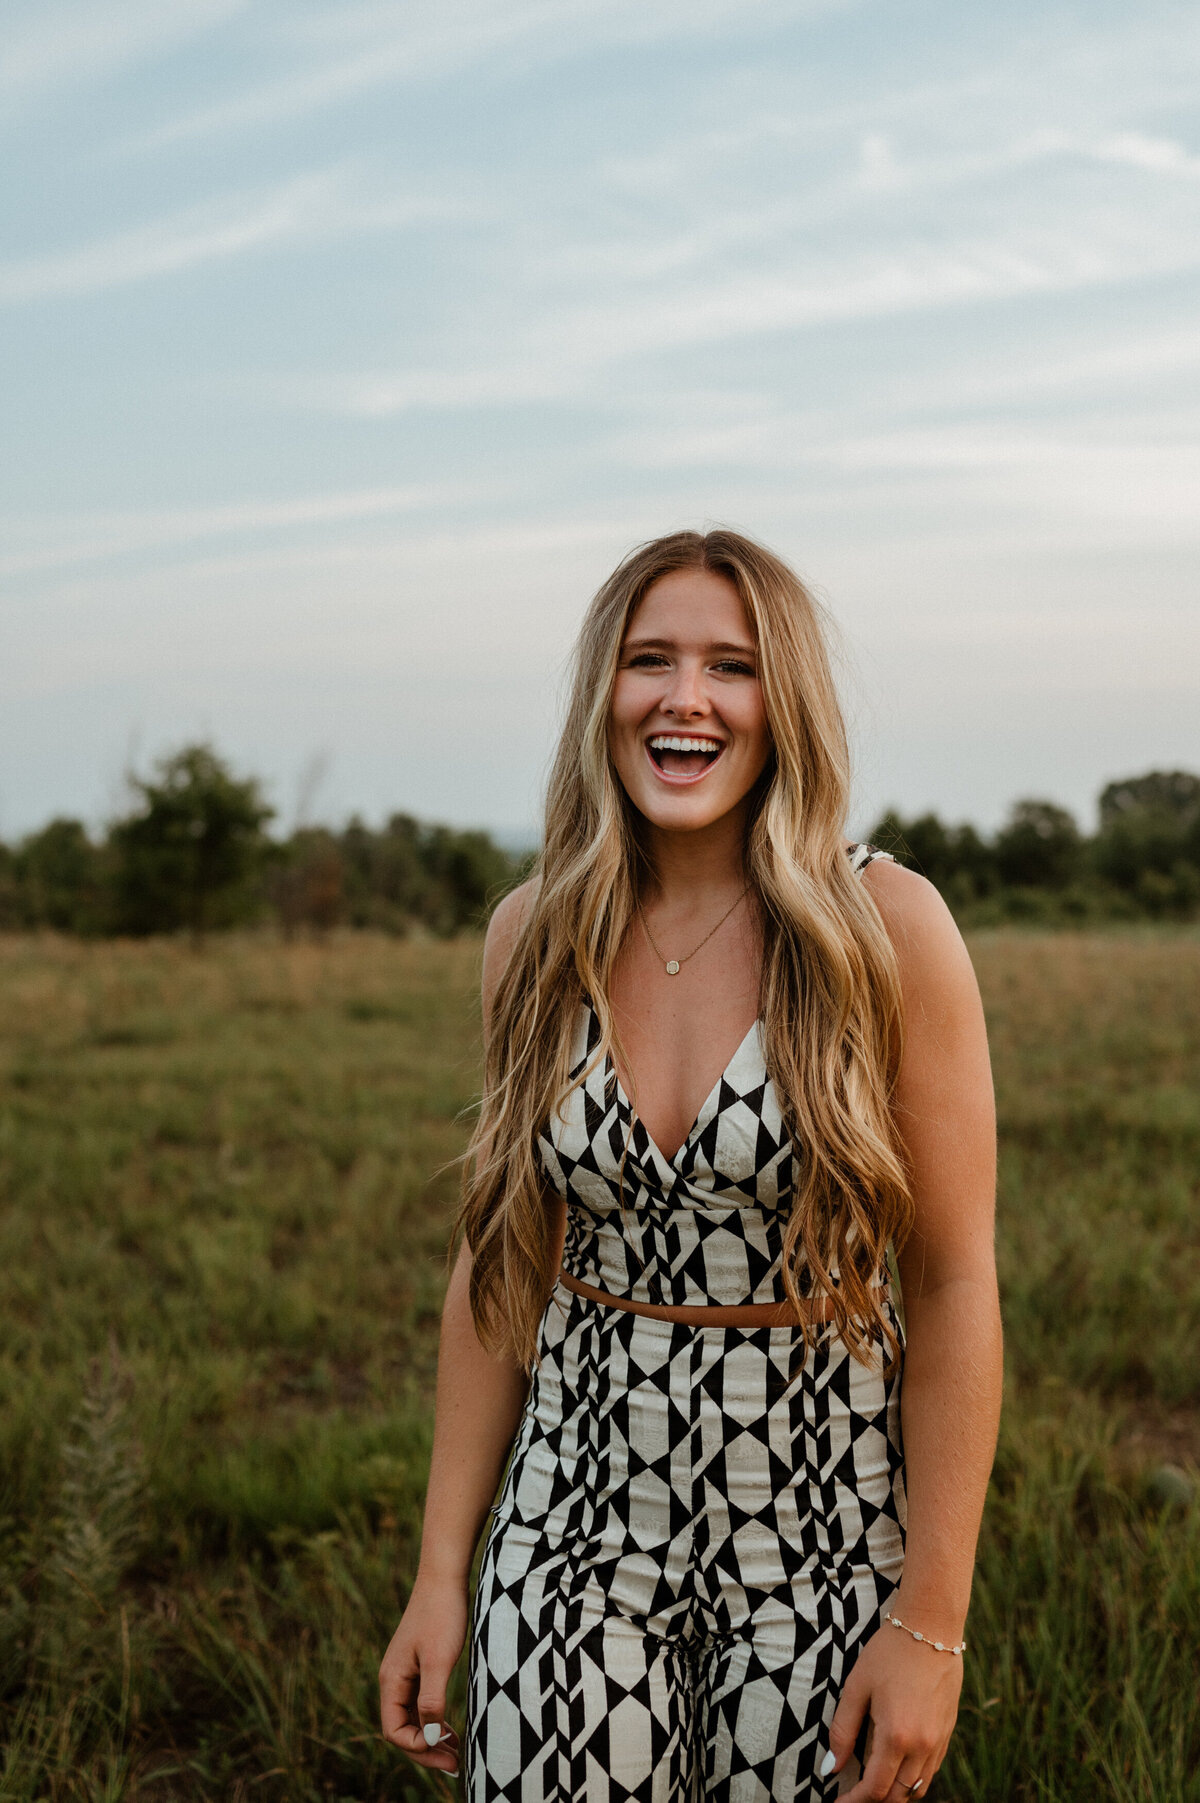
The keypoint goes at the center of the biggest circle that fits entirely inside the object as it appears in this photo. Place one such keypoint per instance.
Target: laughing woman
(731, 1059)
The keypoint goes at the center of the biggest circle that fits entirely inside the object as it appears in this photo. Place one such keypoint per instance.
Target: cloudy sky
(345, 348)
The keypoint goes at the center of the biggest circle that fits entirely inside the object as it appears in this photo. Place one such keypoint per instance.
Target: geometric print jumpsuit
(695, 1535)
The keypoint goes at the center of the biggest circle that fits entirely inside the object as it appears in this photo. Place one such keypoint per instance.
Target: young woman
(730, 1059)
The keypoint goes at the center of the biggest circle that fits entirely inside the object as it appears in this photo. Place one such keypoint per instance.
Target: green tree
(467, 871)
(954, 858)
(1149, 839)
(439, 876)
(10, 894)
(1039, 847)
(58, 874)
(190, 853)
(387, 885)
(1172, 794)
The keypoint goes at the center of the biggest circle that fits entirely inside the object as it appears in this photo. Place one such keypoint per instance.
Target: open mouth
(681, 755)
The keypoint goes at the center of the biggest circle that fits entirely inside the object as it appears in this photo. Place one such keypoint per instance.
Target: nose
(686, 696)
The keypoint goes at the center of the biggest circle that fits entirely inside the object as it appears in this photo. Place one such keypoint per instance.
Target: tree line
(1143, 861)
(194, 854)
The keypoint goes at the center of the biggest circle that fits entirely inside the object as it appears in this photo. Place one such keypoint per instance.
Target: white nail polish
(432, 1732)
(447, 1735)
(827, 1764)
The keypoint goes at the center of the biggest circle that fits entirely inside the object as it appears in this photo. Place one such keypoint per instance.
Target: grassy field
(224, 1213)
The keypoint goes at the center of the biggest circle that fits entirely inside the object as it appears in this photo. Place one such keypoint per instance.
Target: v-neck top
(704, 1228)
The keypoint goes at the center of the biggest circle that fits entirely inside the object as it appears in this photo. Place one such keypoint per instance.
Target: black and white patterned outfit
(694, 1538)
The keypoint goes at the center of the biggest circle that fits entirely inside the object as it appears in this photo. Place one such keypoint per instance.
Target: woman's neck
(692, 869)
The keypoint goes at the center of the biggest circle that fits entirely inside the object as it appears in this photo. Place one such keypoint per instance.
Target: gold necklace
(672, 965)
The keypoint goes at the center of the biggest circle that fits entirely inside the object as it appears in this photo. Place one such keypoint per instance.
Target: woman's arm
(950, 1395)
(478, 1406)
(953, 1366)
(477, 1409)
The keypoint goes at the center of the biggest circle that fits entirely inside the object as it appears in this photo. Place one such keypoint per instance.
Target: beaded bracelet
(937, 1645)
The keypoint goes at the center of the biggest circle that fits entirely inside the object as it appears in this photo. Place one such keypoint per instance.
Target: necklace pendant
(672, 967)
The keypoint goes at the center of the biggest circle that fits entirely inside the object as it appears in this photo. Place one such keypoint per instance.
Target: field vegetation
(226, 1199)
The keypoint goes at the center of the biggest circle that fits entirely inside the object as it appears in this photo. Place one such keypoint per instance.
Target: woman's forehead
(691, 606)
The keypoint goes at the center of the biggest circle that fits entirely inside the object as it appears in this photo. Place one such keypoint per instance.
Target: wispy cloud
(815, 185)
(309, 206)
(843, 161)
(878, 170)
(1129, 484)
(1159, 156)
(59, 542)
(1104, 373)
(461, 388)
(344, 54)
(565, 352)
(56, 44)
(1128, 149)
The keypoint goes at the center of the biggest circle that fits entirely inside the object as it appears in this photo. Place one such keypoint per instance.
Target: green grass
(221, 1265)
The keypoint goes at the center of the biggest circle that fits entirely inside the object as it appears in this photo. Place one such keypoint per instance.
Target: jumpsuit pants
(692, 1542)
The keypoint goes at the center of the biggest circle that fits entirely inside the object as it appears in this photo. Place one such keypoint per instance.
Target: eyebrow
(672, 645)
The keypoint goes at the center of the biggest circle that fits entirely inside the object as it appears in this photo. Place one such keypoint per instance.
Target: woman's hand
(416, 1671)
(911, 1693)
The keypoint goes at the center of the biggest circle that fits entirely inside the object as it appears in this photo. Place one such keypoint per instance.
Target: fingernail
(453, 1773)
(448, 1735)
(827, 1764)
(432, 1732)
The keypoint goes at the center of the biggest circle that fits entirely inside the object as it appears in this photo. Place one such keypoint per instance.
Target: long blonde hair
(829, 988)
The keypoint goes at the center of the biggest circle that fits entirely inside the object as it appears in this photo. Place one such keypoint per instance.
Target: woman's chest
(736, 1152)
(678, 1034)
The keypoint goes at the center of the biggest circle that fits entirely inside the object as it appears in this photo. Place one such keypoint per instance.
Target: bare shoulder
(935, 967)
(508, 917)
(504, 929)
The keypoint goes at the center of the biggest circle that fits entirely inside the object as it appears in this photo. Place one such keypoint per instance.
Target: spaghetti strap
(861, 855)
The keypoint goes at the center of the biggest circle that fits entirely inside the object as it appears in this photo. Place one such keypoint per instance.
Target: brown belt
(751, 1314)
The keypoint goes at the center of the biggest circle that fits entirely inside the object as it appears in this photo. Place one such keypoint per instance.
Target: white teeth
(662, 743)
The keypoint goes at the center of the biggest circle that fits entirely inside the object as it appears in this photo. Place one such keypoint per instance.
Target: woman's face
(688, 727)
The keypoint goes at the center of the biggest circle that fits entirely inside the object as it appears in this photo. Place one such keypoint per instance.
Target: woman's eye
(655, 660)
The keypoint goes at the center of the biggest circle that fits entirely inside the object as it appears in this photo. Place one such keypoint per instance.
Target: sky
(346, 349)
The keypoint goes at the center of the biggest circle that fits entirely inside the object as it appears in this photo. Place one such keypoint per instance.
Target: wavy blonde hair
(829, 987)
